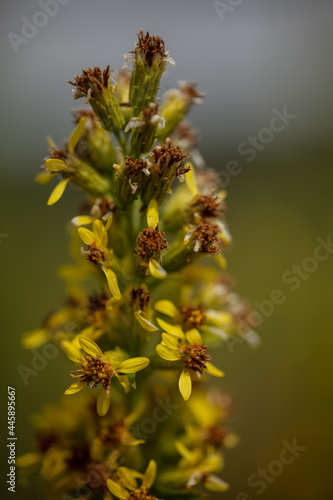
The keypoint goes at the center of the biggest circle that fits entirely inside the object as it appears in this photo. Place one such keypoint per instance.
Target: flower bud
(176, 104)
(149, 62)
(166, 165)
(96, 86)
(144, 135)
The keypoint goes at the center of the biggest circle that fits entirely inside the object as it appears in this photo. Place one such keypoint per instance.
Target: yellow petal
(35, 338)
(214, 483)
(194, 337)
(221, 260)
(86, 235)
(133, 365)
(108, 223)
(149, 475)
(71, 351)
(172, 329)
(157, 270)
(82, 220)
(103, 402)
(184, 451)
(152, 213)
(76, 134)
(56, 165)
(170, 341)
(44, 177)
(166, 307)
(117, 490)
(218, 318)
(191, 180)
(127, 477)
(167, 353)
(57, 192)
(185, 384)
(112, 282)
(212, 370)
(76, 387)
(147, 325)
(90, 347)
(28, 459)
(101, 236)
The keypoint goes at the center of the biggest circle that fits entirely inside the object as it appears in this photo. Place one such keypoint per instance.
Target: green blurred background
(263, 55)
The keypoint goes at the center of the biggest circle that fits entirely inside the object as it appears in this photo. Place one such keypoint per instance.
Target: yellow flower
(201, 468)
(188, 349)
(210, 411)
(56, 165)
(127, 488)
(207, 320)
(99, 368)
(98, 253)
(196, 467)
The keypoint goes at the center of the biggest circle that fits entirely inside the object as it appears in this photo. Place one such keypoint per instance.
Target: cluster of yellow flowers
(147, 293)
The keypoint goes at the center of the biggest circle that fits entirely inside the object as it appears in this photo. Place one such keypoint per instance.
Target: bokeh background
(263, 55)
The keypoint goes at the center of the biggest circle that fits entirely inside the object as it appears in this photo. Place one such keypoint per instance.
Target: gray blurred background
(262, 56)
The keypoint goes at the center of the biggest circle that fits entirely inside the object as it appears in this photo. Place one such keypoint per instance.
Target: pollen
(97, 302)
(150, 242)
(216, 435)
(141, 494)
(195, 358)
(94, 254)
(207, 206)
(193, 315)
(94, 79)
(134, 167)
(166, 156)
(150, 47)
(114, 435)
(97, 475)
(94, 371)
(140, 298)
(207, 234)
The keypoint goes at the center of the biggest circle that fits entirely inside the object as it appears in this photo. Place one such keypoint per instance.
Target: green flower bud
(97, 87)
(149, 61)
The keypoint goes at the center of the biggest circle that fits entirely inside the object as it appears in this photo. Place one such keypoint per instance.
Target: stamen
(193, 315)
(195, 358)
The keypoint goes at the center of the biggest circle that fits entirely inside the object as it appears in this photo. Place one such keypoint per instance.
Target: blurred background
(254, 61)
